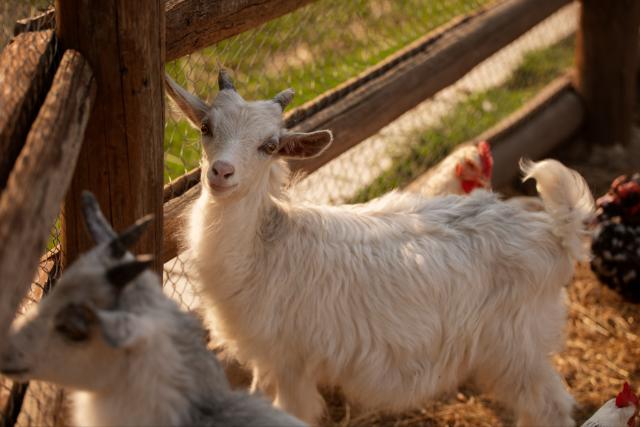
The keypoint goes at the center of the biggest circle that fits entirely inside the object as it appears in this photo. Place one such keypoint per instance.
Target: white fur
(568, 200)
(395, 301)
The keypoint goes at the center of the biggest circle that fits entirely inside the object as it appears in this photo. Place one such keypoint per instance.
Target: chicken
(616, 242)
(467, 168)
(619, 412)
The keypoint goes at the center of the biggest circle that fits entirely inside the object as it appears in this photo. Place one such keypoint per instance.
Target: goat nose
(223, 169)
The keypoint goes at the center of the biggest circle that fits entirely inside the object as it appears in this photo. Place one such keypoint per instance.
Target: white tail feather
(567, 199)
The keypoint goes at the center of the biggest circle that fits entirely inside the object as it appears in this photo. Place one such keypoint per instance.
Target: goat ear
(304, 145)
(129, 237)
(123, 274)
(193, 107)
(122, 329)
(97, 225)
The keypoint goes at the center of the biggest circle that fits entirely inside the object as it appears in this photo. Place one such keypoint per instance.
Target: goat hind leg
(299, 396)
(536, 393)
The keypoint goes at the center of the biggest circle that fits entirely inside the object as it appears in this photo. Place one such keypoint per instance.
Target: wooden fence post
(606, 62)
(121, 160)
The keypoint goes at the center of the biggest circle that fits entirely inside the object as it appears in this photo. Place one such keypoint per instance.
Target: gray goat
(128, 352)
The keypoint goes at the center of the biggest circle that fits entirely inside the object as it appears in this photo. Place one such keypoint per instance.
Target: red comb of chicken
(626, 397)
(484, 150)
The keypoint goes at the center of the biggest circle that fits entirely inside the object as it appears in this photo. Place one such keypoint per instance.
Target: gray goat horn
(123, 274)
(284, 98)
(97, 225)
(224, 81)
(129, 237)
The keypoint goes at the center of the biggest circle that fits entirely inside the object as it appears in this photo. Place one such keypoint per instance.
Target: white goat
(396, 300)
(133, 357)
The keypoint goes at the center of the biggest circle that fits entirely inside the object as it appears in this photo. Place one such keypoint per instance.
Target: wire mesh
(313, 50)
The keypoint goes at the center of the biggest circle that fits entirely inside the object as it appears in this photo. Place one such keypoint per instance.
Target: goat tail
(567, 199)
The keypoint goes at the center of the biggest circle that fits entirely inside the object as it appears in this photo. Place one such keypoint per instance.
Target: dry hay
(602, 351)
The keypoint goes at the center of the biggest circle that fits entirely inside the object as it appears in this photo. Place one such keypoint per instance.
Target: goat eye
(270, 146)
(205, 129)
(74, 322)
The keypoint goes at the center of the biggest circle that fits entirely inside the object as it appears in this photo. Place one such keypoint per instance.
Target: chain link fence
(313, 50)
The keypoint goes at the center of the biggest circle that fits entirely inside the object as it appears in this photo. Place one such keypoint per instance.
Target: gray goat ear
(129, 237)
(224, 80)
(284, 98)
(97, 225)
(298, 145)
(193, 107)
(123, 274)
(122, 329)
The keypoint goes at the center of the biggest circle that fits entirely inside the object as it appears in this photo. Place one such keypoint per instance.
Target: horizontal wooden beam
(27, 65)
(194, 24)
(439, 61)
(38, 182)
(180, 185)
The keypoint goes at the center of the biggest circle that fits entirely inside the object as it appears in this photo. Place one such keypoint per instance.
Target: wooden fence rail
(27, 65)
(194, 24)
(36, 187)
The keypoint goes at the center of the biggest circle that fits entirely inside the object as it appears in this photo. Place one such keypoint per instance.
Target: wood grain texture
(122, 158)
(180, 185)
(27, 65)
(194, 24)
(42, 173)
(606, 60)
(42, 21)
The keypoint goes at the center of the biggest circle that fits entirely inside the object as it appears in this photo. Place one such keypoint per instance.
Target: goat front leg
(299, 396)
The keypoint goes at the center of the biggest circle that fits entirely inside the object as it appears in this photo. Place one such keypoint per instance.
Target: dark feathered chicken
(616, 244)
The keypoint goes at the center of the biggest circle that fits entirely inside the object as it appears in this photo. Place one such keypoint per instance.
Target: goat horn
(123, 274)
(284, 98)
(224, 81)
(97, 225)
(129, 237)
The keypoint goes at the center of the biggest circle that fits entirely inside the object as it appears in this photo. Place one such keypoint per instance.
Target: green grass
(312, 50)
(471, 117)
